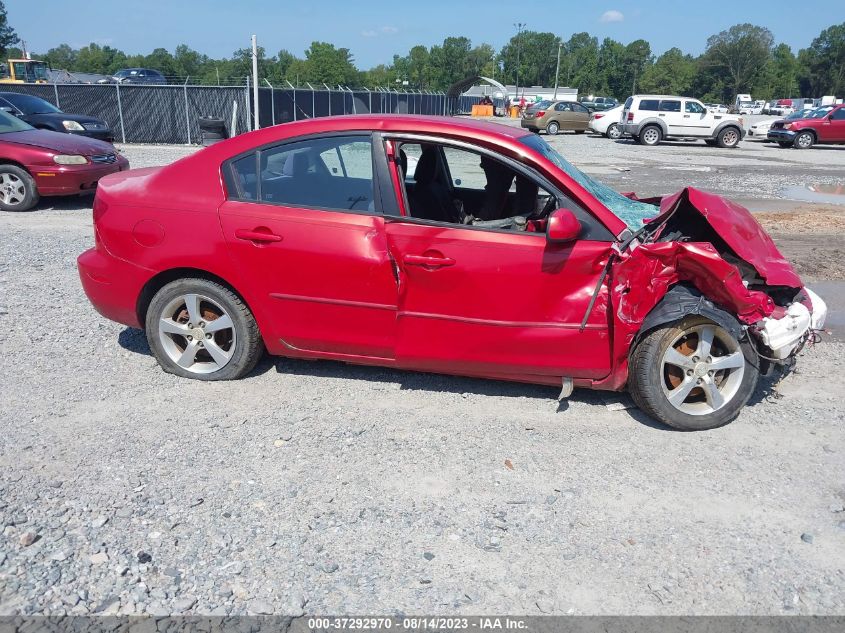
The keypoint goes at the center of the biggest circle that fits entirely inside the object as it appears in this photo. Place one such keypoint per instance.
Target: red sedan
(35, 163)
(444, 245)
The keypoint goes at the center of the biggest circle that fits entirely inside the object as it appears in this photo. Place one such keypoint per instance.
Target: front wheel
(729, 137)
(691, 374)
(200, 329)
(614, 133)
(552, 128)
(17, 189)
(804, 140)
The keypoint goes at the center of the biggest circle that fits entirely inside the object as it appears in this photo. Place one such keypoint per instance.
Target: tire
(804, 140)
(663, 370)
(613, 132)
(187, 351)
(651, 135)
(729, 137)
(784, 144)
(17, 189)
(552, 128)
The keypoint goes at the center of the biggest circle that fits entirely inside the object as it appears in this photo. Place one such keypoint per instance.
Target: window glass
(577, 107)
(650, 105)
(694, 107)
(326, 173)
(670, 106)
(839, 115)
(628, 103)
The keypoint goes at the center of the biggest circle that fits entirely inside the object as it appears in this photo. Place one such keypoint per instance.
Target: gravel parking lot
(318, 487)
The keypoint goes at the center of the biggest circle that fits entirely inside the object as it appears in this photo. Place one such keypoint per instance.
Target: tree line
(742, 59)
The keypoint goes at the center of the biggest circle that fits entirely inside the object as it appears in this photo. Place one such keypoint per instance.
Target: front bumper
(65, 180)
(781, 135)
(100, 134)
(785, 335)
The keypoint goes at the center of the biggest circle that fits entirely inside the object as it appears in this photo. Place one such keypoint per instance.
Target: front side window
(694, 107)
(325, 173)
(839, 115)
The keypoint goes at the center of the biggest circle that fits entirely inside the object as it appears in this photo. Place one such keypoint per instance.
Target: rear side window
(324, 173)
(649, 105)
(670, 106)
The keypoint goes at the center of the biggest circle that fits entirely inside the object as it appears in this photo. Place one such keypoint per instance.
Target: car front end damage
(704, 255)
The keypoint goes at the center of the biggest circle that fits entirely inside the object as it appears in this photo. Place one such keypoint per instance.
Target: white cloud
(611, 16)
(369, 34)
(389, 29)
(382, 30)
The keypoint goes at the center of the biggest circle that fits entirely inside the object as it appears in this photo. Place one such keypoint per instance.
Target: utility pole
(255, 80)
(557, 68)
(519, 26)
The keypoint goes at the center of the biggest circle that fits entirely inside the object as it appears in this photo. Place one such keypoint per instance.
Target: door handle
(686, 116)
(257, 236)
(427, 261)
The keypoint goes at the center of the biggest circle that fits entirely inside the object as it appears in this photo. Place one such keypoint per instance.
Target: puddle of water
(829, 194)
(833, 293)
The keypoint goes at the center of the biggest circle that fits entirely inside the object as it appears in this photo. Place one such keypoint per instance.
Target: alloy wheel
(730, 138)
(804, 140)
(12, 189)
(613, 132)
(651, 136)
(702, 370)
(197, 334)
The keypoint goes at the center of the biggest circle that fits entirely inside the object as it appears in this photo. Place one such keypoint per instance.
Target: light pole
(518, 26)
(557, 68)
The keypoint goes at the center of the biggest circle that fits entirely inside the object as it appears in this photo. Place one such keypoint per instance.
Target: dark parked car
(138, 76)
(43, 115)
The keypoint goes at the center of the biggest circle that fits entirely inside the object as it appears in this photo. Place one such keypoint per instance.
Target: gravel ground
(315, 487)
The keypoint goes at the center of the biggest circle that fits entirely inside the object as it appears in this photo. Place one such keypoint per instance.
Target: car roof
(662, 97)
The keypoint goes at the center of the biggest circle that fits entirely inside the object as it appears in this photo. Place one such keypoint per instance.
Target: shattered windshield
(631, 212)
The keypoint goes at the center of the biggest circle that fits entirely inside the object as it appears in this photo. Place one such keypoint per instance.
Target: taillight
(597, 116)
(539, 113)
(630, 117)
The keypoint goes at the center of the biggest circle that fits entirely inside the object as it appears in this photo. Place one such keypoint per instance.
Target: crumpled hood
(59, 142)
(740, 231)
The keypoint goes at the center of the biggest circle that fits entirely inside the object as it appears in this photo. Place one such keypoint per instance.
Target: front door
(302, 227)
(832, 129)
(696, 121)
(497, 301)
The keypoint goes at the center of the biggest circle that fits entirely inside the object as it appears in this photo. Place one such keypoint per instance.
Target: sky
(375, 30)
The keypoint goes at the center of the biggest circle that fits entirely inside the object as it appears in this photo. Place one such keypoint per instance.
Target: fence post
(248, 109)
(56, 90)
(294, 99)
(272, 101)
(313, 101)
(187, 115)
(120, 113)
(330, 99)
(371, 100)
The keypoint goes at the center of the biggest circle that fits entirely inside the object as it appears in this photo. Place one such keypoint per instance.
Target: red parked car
(444, 245)
(35, 163)
(804, 133)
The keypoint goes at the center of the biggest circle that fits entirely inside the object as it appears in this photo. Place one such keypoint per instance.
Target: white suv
(653, 118)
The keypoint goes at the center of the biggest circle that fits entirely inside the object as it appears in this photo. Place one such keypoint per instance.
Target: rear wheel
(804, 140)
(691, 374)
(650, 135)
(200, 329)
(552, 128)
(613, 132)
(729, 137)
(17, 189)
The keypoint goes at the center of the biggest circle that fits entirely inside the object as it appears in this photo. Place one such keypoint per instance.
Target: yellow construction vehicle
(23, 71)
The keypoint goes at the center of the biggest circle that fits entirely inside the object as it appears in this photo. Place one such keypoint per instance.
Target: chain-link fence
(169, 114)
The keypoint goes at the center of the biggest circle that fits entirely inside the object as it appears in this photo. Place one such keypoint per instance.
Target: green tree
(823, 64)
(333, 66)
(672, 73)
(780, 77)
(99, 59)
(8, 37)
(739, 55)
(537, 58)
(62, 57)
(636, 59)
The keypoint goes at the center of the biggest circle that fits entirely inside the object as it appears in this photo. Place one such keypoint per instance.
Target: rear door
(303, 225)
(670, 113)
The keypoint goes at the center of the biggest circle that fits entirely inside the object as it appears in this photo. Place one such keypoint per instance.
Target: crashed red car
(444, 245)
(36, 163)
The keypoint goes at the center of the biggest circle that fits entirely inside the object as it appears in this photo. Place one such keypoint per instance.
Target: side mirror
(562, 226)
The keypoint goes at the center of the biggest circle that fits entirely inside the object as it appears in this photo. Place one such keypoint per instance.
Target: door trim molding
(337, 302)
